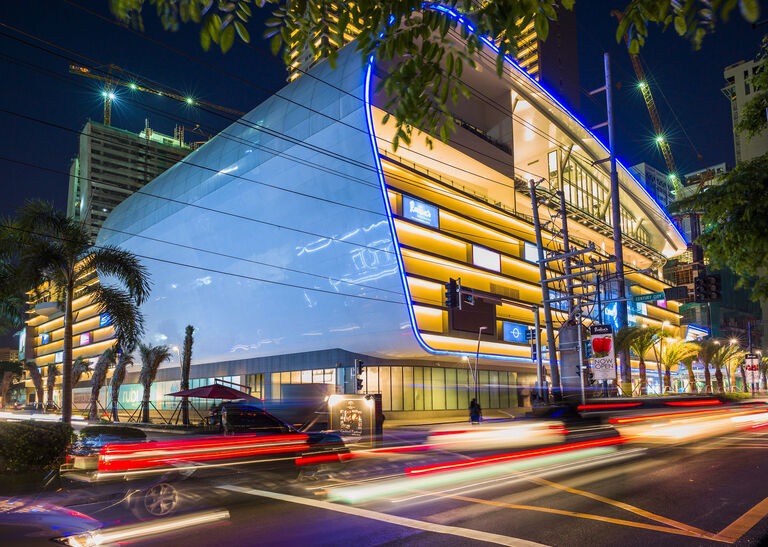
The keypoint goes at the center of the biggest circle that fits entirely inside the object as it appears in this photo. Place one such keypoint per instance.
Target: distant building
(739, 91)
(112, 164)
(555, 61)
(9, 354)
(656, 182)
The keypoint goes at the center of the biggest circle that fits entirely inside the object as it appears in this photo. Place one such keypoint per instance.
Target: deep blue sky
(690, 80)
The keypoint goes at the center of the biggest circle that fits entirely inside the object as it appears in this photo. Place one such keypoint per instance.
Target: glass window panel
(503, 389)
(330, 376)
(418, 388)
(397, 388)
(451, 399)
(482, 381)
(427, 388)
(438, 388)
(295, 377)
(494, 389)
(276, 386)
(407, 388)
(463, 379)
(386, 393)
(306, 376)
(372, 380)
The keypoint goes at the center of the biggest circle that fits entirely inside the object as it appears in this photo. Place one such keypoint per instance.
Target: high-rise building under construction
(112, 164)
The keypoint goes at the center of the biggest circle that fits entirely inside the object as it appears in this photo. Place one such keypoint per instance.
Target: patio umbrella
(215, 391)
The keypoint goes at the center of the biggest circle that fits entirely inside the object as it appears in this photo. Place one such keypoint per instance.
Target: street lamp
(178, 352)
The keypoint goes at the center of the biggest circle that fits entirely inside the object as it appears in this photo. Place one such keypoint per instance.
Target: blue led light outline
(697, 327)
(490, 44)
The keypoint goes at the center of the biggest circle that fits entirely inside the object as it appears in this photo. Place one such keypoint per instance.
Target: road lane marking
(610, 520)
(745, 522)
(468, 533)
(620, 505)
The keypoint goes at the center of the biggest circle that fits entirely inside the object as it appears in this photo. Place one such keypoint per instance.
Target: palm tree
(79, 367)
(9, 372)
(764, 371)
(673, 354)
(706, 355)
(54, 250)
(720, 359)
(37, 381)
(640, 341)
(186, 362)
(106, 360)
(50, 382)
(124, 360)
(151, 359)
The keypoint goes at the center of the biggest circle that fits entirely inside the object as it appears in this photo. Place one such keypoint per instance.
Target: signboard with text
(603, 354)
(752, 368)
(515, 332)
(652, 297)
(420, 212)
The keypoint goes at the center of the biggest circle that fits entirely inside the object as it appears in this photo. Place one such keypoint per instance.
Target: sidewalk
(395, 423)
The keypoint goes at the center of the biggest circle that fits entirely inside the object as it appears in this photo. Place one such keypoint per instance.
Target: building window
(746, 82)
(530, 252)
(485, 258)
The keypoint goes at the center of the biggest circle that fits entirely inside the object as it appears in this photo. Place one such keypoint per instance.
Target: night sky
(690, 80)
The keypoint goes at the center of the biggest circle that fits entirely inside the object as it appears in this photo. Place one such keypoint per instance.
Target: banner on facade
(603, 354)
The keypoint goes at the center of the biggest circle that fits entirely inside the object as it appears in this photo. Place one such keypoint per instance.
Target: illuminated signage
(514, 332)
(695, 333)
(104, 320)
(420, 212)
(45, 337)
(85, 338)
(59, 357)
(485, 258)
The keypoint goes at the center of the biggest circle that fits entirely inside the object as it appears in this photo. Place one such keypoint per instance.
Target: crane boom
(112, 81)
(661, 140)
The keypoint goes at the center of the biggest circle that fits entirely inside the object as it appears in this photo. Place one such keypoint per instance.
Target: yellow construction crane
(116, 76)
(661, 140)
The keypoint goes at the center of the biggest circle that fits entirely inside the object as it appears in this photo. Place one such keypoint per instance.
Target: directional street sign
(648, 297)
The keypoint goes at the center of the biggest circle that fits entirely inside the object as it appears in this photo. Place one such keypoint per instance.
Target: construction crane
(115, 76)
(645, 89)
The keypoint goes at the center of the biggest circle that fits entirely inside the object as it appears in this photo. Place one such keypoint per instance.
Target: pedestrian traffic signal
(529, 335)
(452, 294)
(359, 384)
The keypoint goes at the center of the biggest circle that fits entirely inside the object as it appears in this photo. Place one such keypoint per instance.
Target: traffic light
(700, 289)
(359, 370)
(588, 349)
(714, 288)
(359, 384)
(452, 294)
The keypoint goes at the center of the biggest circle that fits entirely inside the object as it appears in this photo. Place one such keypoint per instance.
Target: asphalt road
(707, 493)
(711, 492)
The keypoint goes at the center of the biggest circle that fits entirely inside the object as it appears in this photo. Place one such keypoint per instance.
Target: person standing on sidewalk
(475, 412)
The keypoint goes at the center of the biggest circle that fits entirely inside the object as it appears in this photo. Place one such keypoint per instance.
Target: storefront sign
(85, 338)
(59, 357)
(515, 332)
(45, 337)
(603, 354)
(420, 212)
(652, 297)
(104, 320)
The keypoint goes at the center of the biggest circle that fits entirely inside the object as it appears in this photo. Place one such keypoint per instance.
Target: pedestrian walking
(475, 412)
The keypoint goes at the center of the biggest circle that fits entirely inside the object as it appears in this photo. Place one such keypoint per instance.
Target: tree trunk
(667, 381)
(692, 380)
(719, 378)
(744, 378)
(66, 373)
(643, 378)
(145, 405)
(115, 417)
(93, 410)
(707, 379)
(50, 382)
(765, 382)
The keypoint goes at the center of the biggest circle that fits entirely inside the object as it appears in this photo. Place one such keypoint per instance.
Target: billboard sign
(85, 338)
(752, 368)
(420, 212)
(104, 320)
(603, 353)
(45, 337)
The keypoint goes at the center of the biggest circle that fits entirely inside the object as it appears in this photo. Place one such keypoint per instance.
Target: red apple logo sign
(601, 347)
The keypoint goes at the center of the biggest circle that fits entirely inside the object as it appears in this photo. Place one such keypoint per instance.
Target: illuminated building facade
(313, 244)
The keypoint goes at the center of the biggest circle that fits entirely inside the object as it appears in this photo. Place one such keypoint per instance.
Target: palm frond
(79, 367)
(37, 379)
(125, 359)
(111, 261)
(127, 319)
(678, 352)
(151, 359)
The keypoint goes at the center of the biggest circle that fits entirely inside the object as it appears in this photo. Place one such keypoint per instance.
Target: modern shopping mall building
(297, 240)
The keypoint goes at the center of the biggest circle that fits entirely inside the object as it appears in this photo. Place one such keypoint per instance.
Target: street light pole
(477, 356)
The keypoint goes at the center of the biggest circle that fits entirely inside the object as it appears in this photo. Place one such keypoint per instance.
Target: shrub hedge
(31, 446)
(113, 430)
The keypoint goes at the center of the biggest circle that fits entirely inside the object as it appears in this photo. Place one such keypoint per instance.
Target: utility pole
(553, 365)
(537, 341)
(618, 251)
(566, 250)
